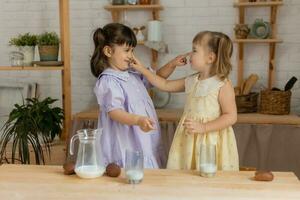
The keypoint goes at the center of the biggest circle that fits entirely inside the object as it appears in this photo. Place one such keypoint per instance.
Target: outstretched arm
(119, 115)
(227, 118)
(166, 70)
(157, 81)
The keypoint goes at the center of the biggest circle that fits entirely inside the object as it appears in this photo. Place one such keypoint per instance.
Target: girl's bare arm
(166, 70)
(159, 82)
(228, 108)
(119, 115)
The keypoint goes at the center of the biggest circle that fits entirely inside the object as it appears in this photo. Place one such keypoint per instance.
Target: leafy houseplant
(26, 39)
(26, 44)
(33, 124)
(48, 44)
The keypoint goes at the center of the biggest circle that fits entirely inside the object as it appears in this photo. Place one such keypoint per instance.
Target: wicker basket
(275, 102)
(247, 103)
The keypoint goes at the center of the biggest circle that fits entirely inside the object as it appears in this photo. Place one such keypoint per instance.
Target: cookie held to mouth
(131, 61)
(184, 60)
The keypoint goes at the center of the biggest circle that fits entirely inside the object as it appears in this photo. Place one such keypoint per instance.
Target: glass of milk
(208, 166)
(134, 166)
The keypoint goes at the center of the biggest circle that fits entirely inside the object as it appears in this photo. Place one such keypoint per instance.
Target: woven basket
(247, 103)
(275, 102)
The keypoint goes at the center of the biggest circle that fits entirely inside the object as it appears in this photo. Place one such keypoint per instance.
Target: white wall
(182, 19)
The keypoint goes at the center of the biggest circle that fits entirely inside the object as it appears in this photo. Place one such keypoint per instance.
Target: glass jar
(16, 58)
(131, 2)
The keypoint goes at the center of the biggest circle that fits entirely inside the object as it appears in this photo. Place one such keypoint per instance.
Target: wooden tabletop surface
(48, 182)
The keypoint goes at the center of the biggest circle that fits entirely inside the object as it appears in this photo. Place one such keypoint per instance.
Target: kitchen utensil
(250, 82)
(289, 85)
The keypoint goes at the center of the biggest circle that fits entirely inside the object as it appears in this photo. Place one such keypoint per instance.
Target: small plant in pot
(241, 31)
(30, 126)
(26, 44)
(48, 44)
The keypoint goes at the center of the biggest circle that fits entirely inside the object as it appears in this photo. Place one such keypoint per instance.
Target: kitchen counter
(173, 115)
(48, 182)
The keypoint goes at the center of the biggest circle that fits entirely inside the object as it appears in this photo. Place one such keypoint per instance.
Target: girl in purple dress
(127, 115)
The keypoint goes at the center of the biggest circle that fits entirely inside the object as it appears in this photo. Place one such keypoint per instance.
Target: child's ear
(107, 51)
(211, 57)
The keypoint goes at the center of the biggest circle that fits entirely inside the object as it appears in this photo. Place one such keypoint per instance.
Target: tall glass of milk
(134, 166)
(88, 161)
(207, 162)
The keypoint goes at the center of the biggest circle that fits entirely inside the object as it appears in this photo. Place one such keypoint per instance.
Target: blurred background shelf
(65, 69)
(257, 40)
(38, 68)
(258, 4)
(134, 7)
(155, 8)
(173, 115)
(241, 5)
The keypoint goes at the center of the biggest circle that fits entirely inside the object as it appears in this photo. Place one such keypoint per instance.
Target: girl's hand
(180, 60)
(145, 123)
(136, 64)
(193, 126)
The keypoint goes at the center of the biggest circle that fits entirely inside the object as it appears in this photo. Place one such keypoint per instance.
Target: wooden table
(48, 182)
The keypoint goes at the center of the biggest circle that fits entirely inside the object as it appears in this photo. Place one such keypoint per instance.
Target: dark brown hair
(221, 45)
(110, 35)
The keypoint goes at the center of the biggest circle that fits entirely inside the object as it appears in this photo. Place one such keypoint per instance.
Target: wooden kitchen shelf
(155, 7)
(65, 70)
(134, 7)
(174, 115)
(242, 5)
(258, 4)
(257, 40)
(24, 68)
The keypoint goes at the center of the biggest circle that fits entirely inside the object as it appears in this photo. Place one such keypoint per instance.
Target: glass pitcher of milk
(88, 162)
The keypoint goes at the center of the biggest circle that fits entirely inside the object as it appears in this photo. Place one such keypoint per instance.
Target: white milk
(134, 175)
(208, 170)
(89, 171)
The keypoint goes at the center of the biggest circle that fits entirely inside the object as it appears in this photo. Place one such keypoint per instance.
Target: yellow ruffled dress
(202, 105)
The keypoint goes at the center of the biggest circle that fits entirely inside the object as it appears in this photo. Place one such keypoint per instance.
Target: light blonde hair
(221, 45)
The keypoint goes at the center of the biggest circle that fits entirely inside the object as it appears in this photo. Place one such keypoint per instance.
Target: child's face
(201, 59)
(120, 57)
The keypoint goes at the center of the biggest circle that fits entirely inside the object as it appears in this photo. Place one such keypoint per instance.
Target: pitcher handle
(72, 143)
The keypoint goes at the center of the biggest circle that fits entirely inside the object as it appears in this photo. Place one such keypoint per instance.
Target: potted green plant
(32, 125)
(48, 44)
(26, 44)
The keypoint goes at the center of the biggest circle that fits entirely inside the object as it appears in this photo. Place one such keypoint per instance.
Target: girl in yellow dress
(210, 109)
